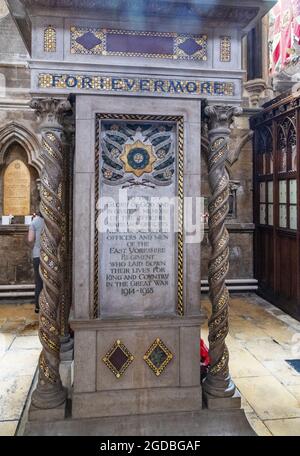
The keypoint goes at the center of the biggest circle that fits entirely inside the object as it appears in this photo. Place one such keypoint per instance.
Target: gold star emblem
(138, 158)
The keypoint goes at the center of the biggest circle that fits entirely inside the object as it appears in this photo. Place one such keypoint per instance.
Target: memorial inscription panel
(138, 248)
(16, 199)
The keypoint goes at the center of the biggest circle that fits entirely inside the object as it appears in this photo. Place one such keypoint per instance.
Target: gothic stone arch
(14, 132)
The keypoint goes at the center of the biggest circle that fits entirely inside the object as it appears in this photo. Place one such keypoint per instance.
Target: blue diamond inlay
(190, 46)
(88, 40)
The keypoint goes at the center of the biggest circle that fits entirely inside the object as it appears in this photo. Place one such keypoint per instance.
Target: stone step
(16, 294)
(234, 285)
(24, 286)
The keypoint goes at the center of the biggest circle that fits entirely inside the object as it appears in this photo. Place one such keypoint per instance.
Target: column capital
(220, 116)
(51, 111)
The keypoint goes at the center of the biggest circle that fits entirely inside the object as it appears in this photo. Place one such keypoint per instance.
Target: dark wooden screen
(276, 203)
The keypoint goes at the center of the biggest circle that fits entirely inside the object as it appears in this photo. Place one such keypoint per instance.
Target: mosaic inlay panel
(138, 154)
(87, 40)
(50, 39)
(158, 356)
(118, 358)
(135, 85)
(225, 49)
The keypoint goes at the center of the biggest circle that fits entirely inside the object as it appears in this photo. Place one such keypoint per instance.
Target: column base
(217, 403)
(49, 396)
(218, 387)
(53, 414)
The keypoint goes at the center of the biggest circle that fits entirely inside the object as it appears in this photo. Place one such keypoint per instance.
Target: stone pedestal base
(50, 415)
(202, 423)
(221, 403)
(140, 389)
(66, 375)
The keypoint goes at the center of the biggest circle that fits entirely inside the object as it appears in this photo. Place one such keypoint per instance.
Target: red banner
(284, 34)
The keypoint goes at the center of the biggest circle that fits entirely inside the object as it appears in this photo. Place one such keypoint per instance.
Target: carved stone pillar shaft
(218, 382)
(49, 392)
(66, 243)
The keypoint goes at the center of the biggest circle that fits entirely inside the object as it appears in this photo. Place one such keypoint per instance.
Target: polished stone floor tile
(283, 372)
(278, 331)
(259, 341)
(267, 349)
(26, 343)
(13, 391)
(18, 362)
(284, 427)
(8, 428)
(246, 330)
(259, 427)
(294, 390)
(244, 364)
(6, 341)
(268, 397)
(19, 352)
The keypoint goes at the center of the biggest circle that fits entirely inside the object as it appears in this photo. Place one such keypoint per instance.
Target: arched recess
(14, 132)
(17, 142)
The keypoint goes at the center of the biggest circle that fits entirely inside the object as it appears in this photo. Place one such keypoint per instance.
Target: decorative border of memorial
(131, 43)
(180, 193)
(158, 356)
(104, 83)
(118, 358)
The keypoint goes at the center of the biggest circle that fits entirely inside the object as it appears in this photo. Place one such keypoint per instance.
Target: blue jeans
(38, 281)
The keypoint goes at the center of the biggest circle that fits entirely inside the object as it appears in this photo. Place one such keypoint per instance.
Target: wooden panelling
(277, 244)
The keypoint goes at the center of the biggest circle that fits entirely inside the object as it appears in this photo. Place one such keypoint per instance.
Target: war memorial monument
(127, 93)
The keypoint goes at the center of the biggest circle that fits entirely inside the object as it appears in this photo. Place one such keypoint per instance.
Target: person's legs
(38, 282)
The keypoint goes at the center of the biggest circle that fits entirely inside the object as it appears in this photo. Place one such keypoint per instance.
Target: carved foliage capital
(51, 111)
(220, 116)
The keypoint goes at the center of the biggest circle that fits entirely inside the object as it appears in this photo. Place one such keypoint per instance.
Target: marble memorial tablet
(16, 189)
(137, 262)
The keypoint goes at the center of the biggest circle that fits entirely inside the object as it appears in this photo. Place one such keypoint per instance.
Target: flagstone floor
(19, 352)
(260, 340)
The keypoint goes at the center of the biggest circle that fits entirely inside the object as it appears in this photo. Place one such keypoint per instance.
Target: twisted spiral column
(49, 392)
(218, 382)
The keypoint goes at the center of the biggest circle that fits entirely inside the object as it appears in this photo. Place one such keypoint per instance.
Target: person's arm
(31, 236)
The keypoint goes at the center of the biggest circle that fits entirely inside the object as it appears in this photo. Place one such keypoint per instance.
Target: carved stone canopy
(221, 13)
(223, 10)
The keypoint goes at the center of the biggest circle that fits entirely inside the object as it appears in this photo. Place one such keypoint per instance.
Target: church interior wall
(240, 221)
(17, 124)
(14, 107)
